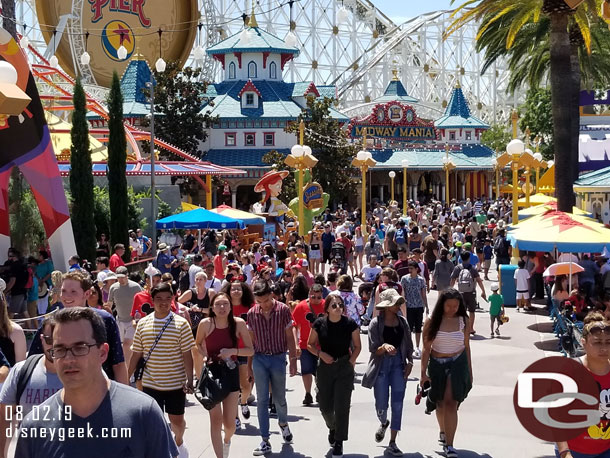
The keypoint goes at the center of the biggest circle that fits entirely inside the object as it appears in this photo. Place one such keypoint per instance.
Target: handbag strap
(171, 317)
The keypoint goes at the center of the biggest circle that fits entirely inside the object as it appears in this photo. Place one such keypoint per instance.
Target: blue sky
(401, 10)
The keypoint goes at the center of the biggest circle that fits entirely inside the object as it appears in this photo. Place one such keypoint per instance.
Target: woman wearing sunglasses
(593, 443)
(390, 364)
(330, 339)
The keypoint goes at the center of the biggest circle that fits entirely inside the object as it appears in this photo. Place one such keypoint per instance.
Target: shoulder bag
(139, 372)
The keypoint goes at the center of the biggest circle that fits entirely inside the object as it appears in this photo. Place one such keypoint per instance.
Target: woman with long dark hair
(446, 364)
(242, 299)
(330, 339)
(596, 342)
(95, 299)
(217, 341)
(12, 337)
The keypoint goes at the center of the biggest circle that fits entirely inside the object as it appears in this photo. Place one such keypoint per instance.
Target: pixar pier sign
(135, 7)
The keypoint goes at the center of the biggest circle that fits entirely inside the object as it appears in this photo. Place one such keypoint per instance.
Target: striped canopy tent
(545, 208)
(562, 231)
(173, 168)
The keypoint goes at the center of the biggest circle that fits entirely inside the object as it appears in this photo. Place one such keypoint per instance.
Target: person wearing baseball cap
(390, 364)
(220, 262)
(303, 268)
(496, 308)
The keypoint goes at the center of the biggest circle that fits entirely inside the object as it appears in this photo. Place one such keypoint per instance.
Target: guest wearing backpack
(467, 279)
(502, 249)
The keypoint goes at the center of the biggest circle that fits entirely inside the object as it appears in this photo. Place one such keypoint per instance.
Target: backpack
(466, 282)
(399, 238)
(500, 247)
(26, 374)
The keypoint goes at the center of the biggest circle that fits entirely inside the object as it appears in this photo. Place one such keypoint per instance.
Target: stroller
(338, 257)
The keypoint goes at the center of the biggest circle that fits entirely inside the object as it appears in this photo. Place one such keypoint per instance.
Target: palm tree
(562, 68)
(8, 13)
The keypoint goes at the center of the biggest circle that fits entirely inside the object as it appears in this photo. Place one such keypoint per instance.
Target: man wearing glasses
(75, 289)
(30, 383)
(307, 310)
(92, 415)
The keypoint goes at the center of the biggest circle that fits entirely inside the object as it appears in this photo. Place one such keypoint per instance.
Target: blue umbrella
(199, 218)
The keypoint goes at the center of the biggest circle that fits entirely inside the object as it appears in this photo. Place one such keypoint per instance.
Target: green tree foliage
(27, 231)
(536, 114)
(289, 187)
(497, 137)
(134, 210)
(81, 178)
(334, 171)
(117, 156)
(179, 97)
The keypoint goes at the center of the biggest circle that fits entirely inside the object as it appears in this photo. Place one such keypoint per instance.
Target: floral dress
(353, 305)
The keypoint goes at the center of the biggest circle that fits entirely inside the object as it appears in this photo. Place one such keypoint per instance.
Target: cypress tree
(81, 178)
(117, 156)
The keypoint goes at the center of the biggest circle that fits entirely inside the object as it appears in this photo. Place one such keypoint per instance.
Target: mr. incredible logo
(135, 7)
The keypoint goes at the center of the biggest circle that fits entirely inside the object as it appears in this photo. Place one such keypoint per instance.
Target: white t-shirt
(248, 270)
(522, 276)
(369, 273)
(214, 283)
(567, 257)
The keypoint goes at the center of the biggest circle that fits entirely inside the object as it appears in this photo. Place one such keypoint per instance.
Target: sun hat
(495, 286)
(162, 246)
(389, 298)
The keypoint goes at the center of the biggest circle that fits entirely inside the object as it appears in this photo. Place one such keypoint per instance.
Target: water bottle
(230, 363)
(137, 316)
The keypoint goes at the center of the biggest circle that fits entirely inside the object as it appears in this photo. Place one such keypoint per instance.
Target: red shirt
(115, 261)
(347, 243)
(593, 441)
(299, 317)
(144, 297)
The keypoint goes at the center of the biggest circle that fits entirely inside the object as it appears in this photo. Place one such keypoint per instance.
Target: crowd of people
(211, 308)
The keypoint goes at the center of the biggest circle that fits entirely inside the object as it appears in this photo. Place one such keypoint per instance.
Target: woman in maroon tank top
(217, 338)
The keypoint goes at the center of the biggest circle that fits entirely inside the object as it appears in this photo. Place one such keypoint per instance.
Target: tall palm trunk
(576, 41)
(8, 13)
(561, 88)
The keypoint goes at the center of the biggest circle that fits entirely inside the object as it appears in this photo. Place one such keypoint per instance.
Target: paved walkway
(487, 427)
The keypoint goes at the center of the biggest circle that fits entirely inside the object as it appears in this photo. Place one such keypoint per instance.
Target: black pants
(335, 385)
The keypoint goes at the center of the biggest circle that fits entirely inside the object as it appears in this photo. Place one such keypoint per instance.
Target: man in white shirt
(370, 272)
(522, 277)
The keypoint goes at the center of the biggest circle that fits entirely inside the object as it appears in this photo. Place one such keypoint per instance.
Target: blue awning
(199, 219)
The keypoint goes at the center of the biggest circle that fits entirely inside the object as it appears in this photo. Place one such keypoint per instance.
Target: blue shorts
(309, 362)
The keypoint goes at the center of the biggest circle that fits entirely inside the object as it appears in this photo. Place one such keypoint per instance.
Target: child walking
(496, 309)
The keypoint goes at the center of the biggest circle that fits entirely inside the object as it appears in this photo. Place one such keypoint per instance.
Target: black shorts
(415, 318)
(171, 401)
(325, 255)
(229, 378)
(470, 301)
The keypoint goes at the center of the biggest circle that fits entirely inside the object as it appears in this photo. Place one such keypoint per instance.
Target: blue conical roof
(396, 92)
(257, 40)
(133, 81)
(458, 114)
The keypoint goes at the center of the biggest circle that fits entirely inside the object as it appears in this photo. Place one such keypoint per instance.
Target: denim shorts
(309, 362)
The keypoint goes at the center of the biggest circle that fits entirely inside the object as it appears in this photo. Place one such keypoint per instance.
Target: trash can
(507, 284)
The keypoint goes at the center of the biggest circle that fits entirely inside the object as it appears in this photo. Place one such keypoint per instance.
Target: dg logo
(556, 399)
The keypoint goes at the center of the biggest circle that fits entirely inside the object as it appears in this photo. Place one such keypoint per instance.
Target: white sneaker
(183, 451)
(416, 353)
(225, 449)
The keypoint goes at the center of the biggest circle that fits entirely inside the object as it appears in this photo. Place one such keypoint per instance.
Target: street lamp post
(405, 165)
(515, 148)
(448, 166)
(153, 191)
(392, 175)
(300, 158)
(363, 160)
(497, 170)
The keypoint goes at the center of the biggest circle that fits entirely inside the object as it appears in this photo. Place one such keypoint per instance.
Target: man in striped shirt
(168, 374)
(270, 324)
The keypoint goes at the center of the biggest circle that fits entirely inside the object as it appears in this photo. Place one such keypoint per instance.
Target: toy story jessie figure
(271, 185)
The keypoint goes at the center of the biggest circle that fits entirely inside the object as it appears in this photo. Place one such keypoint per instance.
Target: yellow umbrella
(188, 207)
(247, 218)
(566, 232)
(544, 208)
(536, 199)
